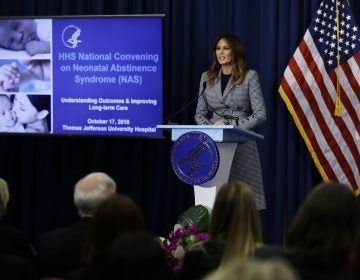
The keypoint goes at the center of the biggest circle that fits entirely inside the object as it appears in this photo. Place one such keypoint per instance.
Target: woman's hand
(219, 122)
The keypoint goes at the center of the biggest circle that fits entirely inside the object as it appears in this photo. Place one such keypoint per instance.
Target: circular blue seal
(195, 158)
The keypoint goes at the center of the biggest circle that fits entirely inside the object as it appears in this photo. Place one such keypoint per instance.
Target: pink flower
(178, 242)
(202, 236)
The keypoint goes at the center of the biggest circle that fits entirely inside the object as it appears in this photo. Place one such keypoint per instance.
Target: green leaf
(198, 215)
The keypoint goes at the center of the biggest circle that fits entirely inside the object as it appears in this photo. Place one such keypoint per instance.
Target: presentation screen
(82, 75)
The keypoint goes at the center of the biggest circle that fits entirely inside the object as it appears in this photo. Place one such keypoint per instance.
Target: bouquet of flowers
(191, 228)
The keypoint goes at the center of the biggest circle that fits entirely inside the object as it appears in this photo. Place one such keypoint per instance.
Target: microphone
(225, 116)
(168, 118)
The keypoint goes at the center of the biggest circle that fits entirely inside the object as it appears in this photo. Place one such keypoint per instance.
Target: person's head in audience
(235, 221)
(4, 198)
(273, 269)
(90, 190)
(324, 229)
(114, 216)
(134, 255)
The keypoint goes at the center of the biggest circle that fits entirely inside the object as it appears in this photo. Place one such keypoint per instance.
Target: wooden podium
(226, 137)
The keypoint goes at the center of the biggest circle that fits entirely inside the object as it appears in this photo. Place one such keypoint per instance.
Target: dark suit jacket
(15, 268)
(60, 250)
(15, 242)
(17, 256)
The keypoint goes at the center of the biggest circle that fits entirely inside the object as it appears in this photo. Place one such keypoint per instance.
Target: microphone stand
(168, 118)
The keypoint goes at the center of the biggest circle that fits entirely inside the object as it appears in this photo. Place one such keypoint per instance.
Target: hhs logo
(70, 36)
(195, 158)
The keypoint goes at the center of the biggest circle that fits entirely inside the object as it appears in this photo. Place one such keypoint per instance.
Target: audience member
(15, 268)
(60, 250)
(16, 252)
(275, 269)
(115, 216)
(235, 232)
(322, 236)
(354, 263)
(134, 255)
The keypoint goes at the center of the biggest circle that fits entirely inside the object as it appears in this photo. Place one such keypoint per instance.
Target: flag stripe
(305, 130)
(355, 68)
(305, 115)
(344, 97)
(352, 71)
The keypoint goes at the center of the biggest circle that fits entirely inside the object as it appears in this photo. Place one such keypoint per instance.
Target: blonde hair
(235, 222)
(4, 197)
(273, 269)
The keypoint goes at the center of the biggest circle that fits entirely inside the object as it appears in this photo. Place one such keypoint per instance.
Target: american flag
(325, 70)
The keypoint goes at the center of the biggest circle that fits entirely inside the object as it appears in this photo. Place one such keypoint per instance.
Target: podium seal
(195, 158)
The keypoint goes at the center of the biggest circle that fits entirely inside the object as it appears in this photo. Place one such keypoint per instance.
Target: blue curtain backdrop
(41, 171)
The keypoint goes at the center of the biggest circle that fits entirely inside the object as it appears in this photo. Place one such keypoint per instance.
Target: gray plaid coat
(241, 105)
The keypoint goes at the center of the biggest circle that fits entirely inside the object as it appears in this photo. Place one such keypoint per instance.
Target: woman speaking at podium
(230, 94)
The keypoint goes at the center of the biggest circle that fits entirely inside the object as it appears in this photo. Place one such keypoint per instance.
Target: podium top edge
(231, 128)
(193, 126)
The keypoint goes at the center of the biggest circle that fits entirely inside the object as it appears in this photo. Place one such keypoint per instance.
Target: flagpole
(338, 107)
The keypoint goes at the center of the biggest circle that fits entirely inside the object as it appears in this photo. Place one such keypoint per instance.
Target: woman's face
(223, 52)
(24, 109)
(15, 34)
